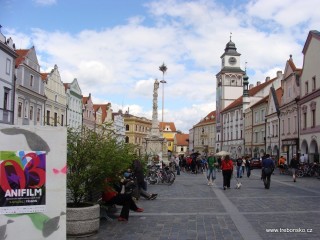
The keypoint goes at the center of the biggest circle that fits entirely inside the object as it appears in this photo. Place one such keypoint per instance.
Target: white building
(7, 78)
(56, 104)
(74, 104)
(309, 103)
(30, 98)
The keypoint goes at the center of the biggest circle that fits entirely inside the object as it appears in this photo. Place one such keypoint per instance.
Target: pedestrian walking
(243, 165)
(281, 163)
(227, 169)
(294, 164)
(211, 172)
(239, 167)
(267, 169)
(177, 163)
(248, 167)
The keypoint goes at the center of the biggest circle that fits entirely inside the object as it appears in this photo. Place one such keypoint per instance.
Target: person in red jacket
(227, 169)
(111, 196)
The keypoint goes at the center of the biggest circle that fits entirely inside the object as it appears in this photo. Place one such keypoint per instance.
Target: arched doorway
(314, 152)
(304, 149)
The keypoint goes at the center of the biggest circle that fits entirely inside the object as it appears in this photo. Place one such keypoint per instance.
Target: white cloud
(119, 64)
(45, 2)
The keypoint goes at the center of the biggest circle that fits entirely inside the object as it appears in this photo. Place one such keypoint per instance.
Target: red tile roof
(279, 94)
(104, 108)
(85, 99)
(22, 53)
(162, 126)
(66, 86)
(181, 139)
(44, 76)
(210, 118)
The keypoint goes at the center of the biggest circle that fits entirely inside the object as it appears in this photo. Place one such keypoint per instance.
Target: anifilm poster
(22, 181)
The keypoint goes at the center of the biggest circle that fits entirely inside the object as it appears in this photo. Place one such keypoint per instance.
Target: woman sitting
(111, 196)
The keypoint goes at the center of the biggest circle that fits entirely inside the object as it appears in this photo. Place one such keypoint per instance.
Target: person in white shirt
(302, 159)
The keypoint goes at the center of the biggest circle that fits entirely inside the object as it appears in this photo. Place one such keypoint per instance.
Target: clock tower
(229, 84)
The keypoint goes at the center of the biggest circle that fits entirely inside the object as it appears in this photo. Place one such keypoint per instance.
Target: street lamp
(163, 68)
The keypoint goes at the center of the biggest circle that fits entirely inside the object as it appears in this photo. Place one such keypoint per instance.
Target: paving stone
(189, 209)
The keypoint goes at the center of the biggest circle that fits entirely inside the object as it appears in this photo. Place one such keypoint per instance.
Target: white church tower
(229, 85)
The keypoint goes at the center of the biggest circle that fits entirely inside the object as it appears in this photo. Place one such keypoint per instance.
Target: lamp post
(163, 68)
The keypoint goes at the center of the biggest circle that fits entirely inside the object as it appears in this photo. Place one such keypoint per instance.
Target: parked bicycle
(158, 175)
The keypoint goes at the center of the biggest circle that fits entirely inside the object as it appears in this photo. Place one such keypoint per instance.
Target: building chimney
(258, 83)
(267, 79)
(250, 86)
(279, 74)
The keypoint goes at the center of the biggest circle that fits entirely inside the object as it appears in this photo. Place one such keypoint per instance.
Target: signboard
(22, 182)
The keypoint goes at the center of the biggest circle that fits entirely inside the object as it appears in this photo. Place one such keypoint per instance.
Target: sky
(115, 47)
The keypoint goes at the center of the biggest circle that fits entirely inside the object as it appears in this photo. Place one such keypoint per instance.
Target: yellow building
(136, 130)
(168, 130)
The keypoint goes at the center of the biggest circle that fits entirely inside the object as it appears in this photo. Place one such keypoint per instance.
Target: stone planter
(83, 221)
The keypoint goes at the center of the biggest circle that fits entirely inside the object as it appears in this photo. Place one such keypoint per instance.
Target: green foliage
(91, 157)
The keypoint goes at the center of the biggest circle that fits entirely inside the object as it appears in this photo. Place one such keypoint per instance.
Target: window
(26, 109)
(304, 120)
(313, 118)
(48, 117)
(306, 88)
(127, 139)
(31, 113)
(262, 115)
(61, 123)
(240, 134)
(181, 149)
(56, 98)
(8, 66)
(20, 109)
(5, 99)
(38, 114)
(256, 136)
(289, 126)
(282, 127)
(314, 83)
(237, 115)
(55, 119)
(31, 80)
(256, 114)
(295, 124)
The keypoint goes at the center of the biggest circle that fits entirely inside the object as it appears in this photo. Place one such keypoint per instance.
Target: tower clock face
(232, 61)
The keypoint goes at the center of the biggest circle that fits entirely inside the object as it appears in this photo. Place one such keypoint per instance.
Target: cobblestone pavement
(189, 210)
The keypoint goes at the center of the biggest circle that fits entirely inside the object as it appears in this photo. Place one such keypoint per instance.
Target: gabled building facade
(30, 98)
(88, 114)
(289, 134)
(181, 144)
(259, 144)
(272, 134)
(118, 126)
(7, 79)
(204, 135)
(309, 103)
(168, 130)
(74, 104)
(56, 103)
